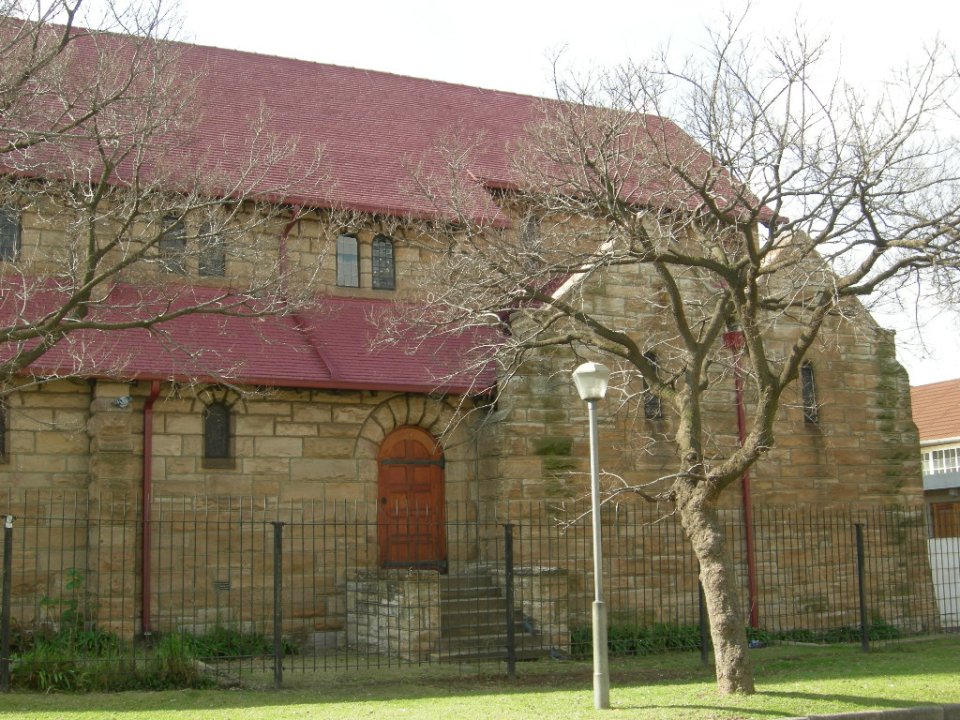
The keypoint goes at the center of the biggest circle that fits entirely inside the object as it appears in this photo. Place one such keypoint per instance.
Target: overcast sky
(507, 45)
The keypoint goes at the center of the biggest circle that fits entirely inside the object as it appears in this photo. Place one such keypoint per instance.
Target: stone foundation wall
(394, 613)
(542, 596)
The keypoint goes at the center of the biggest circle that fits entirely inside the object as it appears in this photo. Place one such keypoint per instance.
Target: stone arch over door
(438, 417)
(411, 531)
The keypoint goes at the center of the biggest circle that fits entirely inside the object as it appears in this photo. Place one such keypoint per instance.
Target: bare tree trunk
(733, 667)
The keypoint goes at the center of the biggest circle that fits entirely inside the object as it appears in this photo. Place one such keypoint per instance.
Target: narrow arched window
(808, 392)
(217, 446)
(213, 256)
(9, 234)
(384, 274)
(348, 261)
(652, 407)
(173, 245)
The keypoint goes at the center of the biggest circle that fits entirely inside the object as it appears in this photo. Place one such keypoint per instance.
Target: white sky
(506, 46)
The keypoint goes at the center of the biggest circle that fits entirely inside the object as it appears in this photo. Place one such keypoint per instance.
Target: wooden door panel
(410, 519)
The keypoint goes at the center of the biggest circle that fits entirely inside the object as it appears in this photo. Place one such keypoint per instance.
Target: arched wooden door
(410, 524)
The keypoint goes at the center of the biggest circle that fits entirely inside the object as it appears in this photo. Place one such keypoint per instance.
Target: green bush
(70, 654)
(627, 639)
(173, 664)
(223, 642)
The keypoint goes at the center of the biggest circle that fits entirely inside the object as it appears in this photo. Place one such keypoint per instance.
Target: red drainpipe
(734, 341)
(147, 490)
(147, 499)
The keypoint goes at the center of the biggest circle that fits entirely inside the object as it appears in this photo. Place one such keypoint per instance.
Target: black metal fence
(228, 586)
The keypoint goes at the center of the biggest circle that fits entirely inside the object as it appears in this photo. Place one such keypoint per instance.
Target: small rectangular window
(213, 256)
(936, 462)
(808, 390)
(382, 263)
(173, 246)
(9, 234)
(348, 261)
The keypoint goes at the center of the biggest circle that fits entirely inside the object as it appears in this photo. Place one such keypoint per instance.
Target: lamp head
(591, 380)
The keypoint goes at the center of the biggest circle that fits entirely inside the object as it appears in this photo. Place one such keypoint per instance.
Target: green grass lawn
(791, 680)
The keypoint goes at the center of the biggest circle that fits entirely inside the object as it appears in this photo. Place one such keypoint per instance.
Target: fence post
(277, 604)
(862, 588)
(702, 603)
(5, 615)
(508, 573)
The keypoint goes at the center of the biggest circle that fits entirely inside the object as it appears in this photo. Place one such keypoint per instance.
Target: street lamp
(591, 381)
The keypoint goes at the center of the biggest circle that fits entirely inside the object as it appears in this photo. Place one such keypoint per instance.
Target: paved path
(926, 712)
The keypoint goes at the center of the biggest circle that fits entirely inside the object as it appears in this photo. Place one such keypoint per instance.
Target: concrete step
(473, 605)
(466, 592)
(475, 628)
(489, 647)
(468, 655)
(472, 617)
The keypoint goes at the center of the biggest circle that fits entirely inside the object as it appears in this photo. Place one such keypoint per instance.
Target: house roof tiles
(936, 410)
(336, 345)
(375, 132)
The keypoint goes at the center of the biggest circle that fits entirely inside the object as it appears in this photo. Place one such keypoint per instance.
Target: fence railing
(239, 585)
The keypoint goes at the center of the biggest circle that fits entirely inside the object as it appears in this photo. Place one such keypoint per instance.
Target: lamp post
(591, 381)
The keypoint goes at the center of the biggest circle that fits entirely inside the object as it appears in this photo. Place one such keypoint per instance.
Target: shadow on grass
(855, 702)
(373, 686)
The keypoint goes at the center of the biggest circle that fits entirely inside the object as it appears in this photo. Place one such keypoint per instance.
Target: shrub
(627, 639)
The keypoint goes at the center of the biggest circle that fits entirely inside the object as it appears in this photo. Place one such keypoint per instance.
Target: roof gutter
(940, 441)
(146, 515)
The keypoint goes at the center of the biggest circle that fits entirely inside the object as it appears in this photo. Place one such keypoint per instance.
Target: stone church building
(311, 407)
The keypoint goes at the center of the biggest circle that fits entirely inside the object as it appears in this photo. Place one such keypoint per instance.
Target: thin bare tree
(111, 202)
(770, 207)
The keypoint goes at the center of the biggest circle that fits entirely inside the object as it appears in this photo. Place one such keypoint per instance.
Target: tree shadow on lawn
(773, 666)
(857, 703)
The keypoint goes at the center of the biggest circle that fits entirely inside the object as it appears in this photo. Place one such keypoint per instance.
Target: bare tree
(109, 201)
(782, 204)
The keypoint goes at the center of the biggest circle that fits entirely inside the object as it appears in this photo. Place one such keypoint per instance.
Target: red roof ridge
(353, 68)
(935, 385)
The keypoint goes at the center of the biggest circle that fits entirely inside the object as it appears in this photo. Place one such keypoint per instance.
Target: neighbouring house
(308, 407)
(936, 411)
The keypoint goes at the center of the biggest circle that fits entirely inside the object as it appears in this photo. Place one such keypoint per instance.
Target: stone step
(480, 628)
(473, 614)
(489, 647)
(465, 592)
(483, 617)
(467, 583)
(456, 606)
(467, 655)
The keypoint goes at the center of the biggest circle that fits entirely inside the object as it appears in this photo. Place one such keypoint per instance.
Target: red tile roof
(936, 410)
(334, 346)
(373, 129)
